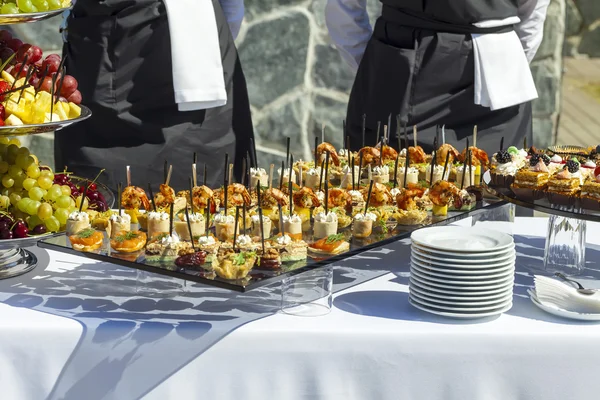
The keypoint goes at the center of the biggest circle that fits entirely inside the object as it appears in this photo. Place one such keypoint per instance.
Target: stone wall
(298, 82)
(583, 28)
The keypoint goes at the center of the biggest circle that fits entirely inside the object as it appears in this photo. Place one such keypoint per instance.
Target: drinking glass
(565, 245)
(308, 294)
(501, 218)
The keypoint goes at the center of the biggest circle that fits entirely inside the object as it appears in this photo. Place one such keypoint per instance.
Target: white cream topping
(356, 195)
(509, 168)
(394, 192)
(243, 240)
(294, 219)
(256, 219)
(170, 239)
(321, 196)
(79, 216)
(365, 217)
(403, 152)
(556, 159)
(286, 172)
(206, 241)
(284, 240)
(342, 152)
(161, 216)
(195, 217)
(329, 217)
(410, 170)
(224, 219)
(121, 219)
(589, 164)
(381, 170)
(314, 171)
(258, 172)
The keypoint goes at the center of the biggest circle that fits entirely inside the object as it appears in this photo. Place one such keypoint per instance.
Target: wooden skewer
(475, 136)
(169, 175)
(323, 133)
(194, 175)
(271, 168)
(415, 136)
(230, 173)
(128, 176)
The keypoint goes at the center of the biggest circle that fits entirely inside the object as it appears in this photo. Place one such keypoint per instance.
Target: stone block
(43, 147)
(589, 9)
(332, 113)
(574, 20)
(554, 30)
(543, 132)
(590, 42)
(273, 55)
(548, 76)
(44, 34)
(284, 121)
(330, 70)
(255, 8)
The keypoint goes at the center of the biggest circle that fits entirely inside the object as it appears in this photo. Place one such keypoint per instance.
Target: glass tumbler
(308, 294)
(565, 245)
(499, 218)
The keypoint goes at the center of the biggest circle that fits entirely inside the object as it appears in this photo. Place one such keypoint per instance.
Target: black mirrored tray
(260, 277)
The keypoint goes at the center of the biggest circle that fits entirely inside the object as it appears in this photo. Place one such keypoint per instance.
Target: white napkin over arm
(198, 78)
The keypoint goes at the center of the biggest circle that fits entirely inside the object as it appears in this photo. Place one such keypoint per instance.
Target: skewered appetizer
(230, 265)
(165, 248)
(290, 250)
(362, 227)
(196, 222)
(269, 259)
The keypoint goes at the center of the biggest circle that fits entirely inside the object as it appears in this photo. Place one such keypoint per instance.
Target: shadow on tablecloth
(130, 344)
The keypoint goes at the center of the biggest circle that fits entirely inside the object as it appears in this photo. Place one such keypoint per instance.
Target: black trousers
(427, 77)
(120, 52)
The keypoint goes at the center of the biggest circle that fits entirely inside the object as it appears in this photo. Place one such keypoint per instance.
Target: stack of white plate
(462, 272)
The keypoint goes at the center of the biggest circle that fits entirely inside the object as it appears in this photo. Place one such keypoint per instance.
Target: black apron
(120, 52)
(419, 64)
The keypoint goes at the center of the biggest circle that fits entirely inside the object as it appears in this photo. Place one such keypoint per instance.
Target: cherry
(93, 187)
(2, 112)
(39, 229)
(5, 53)
(93, 196)
(4, 225)
(5, 35)
(6, 234)
(14, 44)
(597, 171)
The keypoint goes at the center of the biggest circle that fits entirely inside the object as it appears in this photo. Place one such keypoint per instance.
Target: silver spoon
(580, 288)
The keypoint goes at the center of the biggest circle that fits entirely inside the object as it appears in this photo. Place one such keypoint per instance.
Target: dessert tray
(569, 208)
(20, 18)
(260, 277)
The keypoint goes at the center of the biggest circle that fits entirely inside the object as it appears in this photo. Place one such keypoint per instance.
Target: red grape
(14, 44)
(35, 54)
(52, 64)
(69, 86)
(5, 35)
(2, 112)
(22, 51)
(53, 55)
(17, 68)
(34, 80)
(75, 97)
(5, 53)
(46, 84)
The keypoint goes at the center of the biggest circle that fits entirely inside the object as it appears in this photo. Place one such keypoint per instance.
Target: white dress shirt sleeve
(234, 13)
(349, 28)
(531, 28)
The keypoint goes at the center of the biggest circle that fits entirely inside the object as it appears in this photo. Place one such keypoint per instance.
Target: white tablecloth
(102, 342)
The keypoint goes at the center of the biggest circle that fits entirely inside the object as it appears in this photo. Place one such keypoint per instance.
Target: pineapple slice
(74, 110)
(13, 120)
(7, 77)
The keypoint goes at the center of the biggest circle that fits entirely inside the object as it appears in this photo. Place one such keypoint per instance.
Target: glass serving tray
(34, 129)
(259, 277)
(8, 19)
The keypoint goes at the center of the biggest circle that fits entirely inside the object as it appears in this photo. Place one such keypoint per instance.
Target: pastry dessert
(224, 227)
(270, 259)
(290, 250)
(86, 240)
(197, 223)
(565, 185)
(292, 226)
(230, 265)
(590, 191)
(381, 174)
(362, 226)
(128, 241)
(504, 168)
(469, 176)
(77, 222)
(119, 223)
(530, 182)
(165, 248)
(209, 245)
(255, 226)
(158, 222)
(412, 175)
(325, 224)
(258, 175)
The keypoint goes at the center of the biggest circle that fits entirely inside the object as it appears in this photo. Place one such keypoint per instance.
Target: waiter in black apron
(120, 52)
(420, 63)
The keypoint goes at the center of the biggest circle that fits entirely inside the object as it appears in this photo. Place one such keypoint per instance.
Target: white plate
(459, 296)
(462, 240)
(459, 265)
(414, 291)
(467, 262)
(460, 291)
(559, 312)
(475, 275)
(463, 288)
(463, 256)
(456, 271)
(464, 315)
(456, 282)
(460, 309)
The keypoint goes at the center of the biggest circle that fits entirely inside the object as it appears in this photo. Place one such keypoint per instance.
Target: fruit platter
(277, 222)
(561, 180)
(36, 93)
(23, 11)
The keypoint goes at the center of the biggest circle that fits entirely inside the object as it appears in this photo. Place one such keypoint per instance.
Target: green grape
(52, 224)
(32, 207)
(62, 214)
(6, 192)
(34, 221)
(63, 201)
(44, 182)
(36, 193)
(54, 4)
(14, 171)
(4, 140)
(29, 183)
(14, 198)
(45, 211)
(78, 203)
(66, 190)
(4, 202)
(47, 174)
(19, 181)
(24, 151)
(3, 167)
(9, 8)
(33, 171)
(15, 141)
(54, 192)
(7, 181)
(73, 206)
(26, 6)
(41, 5)
(23, 204)
(24, 161)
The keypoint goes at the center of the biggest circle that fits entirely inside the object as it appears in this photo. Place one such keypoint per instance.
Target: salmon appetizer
(128, 242)
(87, 240)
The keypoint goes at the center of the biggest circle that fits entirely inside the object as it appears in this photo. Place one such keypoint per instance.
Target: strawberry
(2, 112)
(597, 171)
(4, 86)
(1, 122)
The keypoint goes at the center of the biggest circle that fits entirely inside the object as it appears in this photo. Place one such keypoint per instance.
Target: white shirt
(350, 29)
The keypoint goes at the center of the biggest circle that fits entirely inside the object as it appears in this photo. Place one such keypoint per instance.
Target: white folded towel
(198, 78)
(554, 293)
(502, 74)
